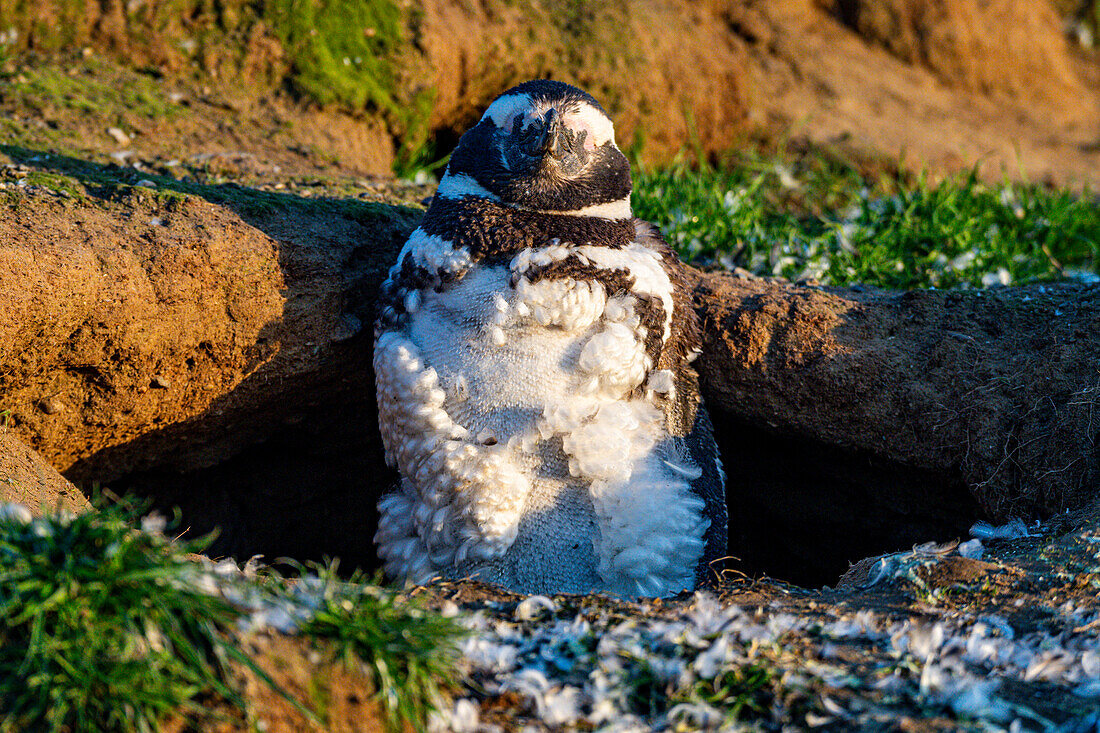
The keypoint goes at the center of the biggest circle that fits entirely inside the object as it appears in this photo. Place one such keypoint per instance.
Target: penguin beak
(547, 140)
(553, 144)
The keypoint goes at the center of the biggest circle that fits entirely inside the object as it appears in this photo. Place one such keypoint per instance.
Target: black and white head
(544, 146)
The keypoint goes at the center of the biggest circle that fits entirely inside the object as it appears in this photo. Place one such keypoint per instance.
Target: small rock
(146, 183)
(159, 382)
(51, 405)
(119, 136)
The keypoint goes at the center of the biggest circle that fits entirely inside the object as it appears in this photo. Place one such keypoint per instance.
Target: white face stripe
(504, 108)
(457, 185)
(586, 117)
(579, 116)
(612, 210)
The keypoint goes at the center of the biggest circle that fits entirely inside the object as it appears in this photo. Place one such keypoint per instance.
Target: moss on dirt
(353, 53)
(79, 178)
(359, 56)
(89, 89)
(57, 183)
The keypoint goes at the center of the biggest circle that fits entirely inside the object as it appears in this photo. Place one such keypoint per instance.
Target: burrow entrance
(803, 511)
(800, 510)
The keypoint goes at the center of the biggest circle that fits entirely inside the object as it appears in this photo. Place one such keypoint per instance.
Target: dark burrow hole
(803, 511)
(800, 510)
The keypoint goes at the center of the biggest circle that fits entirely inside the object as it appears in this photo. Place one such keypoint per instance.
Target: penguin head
(547, 146)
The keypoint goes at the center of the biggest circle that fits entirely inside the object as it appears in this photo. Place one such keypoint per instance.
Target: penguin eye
(516, 122)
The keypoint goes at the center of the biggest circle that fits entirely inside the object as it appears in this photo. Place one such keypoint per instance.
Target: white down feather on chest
(523, 459)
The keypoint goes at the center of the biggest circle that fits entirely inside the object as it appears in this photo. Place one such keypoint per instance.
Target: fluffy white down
(644, 265)
(444, 470)
(649, 519)
(433, 253)
(496, 401)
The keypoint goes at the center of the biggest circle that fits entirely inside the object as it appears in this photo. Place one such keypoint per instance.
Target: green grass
(814, 218)
(409, 654)
(104, 627)
(741, 692)
(99, 629)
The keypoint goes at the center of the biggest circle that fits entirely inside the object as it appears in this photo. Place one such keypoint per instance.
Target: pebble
(52, 405)
(119, 136)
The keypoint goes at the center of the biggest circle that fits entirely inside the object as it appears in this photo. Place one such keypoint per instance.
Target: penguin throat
(457, 186)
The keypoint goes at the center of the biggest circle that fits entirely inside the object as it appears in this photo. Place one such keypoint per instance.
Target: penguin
(533, 361)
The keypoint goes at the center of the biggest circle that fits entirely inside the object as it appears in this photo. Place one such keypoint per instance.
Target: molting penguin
(533, 363)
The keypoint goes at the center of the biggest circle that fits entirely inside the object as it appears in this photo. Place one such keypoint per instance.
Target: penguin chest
(497, 363)
(515, 408)
(503, 356)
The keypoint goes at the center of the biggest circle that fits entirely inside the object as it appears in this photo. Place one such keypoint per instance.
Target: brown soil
(187, 344)
(28, 480)
(945, 86)
(338, 699)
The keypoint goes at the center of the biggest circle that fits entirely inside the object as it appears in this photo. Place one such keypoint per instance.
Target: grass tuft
(409, 654)
(740, 692)
(104, 626)
(100, 628)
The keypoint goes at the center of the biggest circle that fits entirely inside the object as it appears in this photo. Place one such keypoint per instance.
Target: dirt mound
(145, 317)
(666, 95)
(940, 85)
(1000, 386)
(1007, 48)
(190, 337)
(28, 480)
(912, 414)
